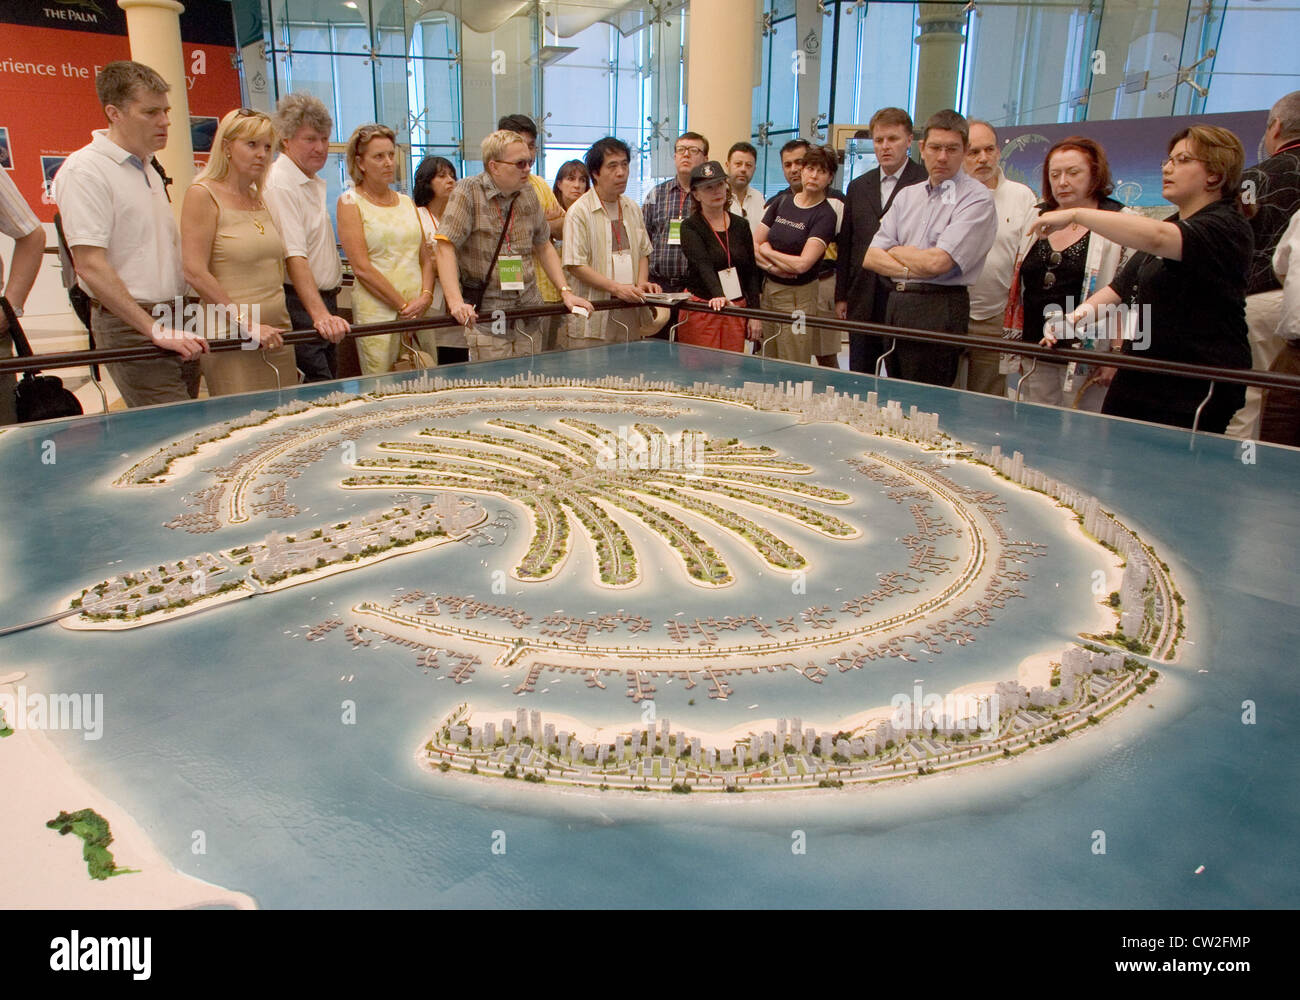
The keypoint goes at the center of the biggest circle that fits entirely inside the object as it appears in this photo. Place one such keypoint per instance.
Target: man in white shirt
(1017, 207)
(19, 224)
(295, 197)
(742, 161)
(606, 250)
(123, 237)
(1280, 411)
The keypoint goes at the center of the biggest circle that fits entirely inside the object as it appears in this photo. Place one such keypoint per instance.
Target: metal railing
(1242, 376)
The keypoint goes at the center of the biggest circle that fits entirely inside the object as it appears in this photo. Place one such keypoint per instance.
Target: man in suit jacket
(861, 294)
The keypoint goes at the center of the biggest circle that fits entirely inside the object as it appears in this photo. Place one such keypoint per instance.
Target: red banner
(48, 106)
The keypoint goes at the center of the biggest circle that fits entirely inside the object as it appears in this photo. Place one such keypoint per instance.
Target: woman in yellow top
(233, 258)
(382, 238)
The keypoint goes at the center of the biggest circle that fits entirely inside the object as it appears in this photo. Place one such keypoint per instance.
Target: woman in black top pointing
(1182, 296)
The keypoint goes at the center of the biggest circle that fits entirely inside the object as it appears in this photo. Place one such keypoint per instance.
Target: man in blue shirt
(931, 248)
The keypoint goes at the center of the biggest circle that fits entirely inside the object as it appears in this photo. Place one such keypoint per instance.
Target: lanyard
(505, 226)
(682, 203)
(727, 232)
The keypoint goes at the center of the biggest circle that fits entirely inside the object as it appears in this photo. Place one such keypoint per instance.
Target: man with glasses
(665, 210)
(491, 237)
(523, 125)
(931, 248)
(123, 237)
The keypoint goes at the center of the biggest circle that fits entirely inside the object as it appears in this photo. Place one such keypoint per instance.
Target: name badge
(674, 232)
(511, 272)
(623, 267)
(730, 283)
(1068, 384)
(1130, 331)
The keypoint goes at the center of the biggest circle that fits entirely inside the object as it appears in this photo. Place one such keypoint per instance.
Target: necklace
(261, 229)
(390, 198)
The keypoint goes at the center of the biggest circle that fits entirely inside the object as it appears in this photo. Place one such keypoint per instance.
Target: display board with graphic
(1134, 148)
(52, 51)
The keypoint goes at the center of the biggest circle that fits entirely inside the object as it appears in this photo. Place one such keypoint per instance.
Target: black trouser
(317, 359)
(866, 348)
(942, 308)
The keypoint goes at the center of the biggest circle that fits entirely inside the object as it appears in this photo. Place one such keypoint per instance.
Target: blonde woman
(233, 257)
(384, 242)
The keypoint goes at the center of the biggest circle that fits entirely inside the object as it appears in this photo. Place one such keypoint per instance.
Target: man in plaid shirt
(665, 209)
(473, 225)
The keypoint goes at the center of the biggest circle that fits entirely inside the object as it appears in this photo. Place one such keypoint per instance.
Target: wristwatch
(901, 283)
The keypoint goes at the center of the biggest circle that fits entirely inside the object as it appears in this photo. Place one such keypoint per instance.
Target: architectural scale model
(612, 478)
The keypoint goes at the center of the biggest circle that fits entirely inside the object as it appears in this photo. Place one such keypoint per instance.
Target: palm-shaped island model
(578, 469)
(708, 539)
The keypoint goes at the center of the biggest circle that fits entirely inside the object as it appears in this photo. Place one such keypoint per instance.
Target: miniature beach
(38, 784)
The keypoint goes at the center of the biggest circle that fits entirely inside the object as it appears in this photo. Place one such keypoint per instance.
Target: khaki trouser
(1263, 314)
(142, 383)
(795, 340)
(982, 374)
(486, 347)
(826, 342)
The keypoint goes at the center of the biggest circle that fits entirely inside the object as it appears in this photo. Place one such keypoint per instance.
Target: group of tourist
(949, 244)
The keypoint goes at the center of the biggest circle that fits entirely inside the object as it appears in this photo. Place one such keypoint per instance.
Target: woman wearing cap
(789, 245)
(720, 256)
(1182, 296)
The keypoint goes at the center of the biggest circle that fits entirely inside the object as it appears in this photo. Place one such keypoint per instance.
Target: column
(721, 38)
(938, 58)
(154, 30)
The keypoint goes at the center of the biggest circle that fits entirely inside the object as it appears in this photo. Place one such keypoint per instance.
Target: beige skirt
(229, 372)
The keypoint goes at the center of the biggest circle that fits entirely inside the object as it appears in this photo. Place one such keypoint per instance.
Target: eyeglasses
(1182, 159)
(250, 113)
(1053, 259)
(688, 151)
(517, 164)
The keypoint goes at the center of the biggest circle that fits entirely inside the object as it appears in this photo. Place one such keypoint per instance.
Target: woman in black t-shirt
(1182, 296)
(789, 245)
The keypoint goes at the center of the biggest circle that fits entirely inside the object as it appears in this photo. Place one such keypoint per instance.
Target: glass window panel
(1255, 62)
(782, 81)
(885, 53)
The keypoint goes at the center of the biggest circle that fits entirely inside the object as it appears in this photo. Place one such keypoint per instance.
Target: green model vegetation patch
(93, 829)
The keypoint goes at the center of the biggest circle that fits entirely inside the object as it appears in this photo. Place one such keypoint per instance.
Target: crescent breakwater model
(668, 499)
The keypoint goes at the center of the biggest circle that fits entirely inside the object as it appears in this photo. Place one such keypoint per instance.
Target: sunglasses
(1053, 259)
(518, 164)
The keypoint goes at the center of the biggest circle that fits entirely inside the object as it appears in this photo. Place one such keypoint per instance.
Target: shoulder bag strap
(487, 278)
